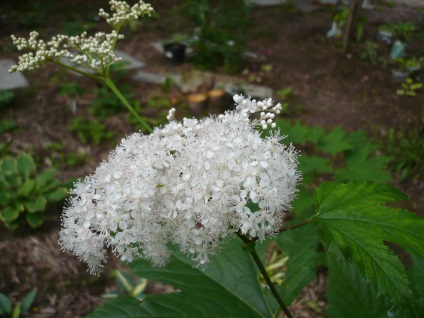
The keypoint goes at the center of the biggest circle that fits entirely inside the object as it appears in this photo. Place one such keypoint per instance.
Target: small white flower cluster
(266, 108)
(93, 52)
(124, 13)
(191, 183)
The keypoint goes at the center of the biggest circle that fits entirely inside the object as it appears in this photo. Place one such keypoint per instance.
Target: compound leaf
(360, 301)
(228, 287)
(334, 142)
(355, 222)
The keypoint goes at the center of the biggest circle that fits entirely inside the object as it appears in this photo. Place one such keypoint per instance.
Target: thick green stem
(127, 104)
(251, 248)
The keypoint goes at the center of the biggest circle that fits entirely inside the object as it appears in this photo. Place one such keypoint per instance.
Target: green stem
(250, 244)
(126, 103)
(73, 69)
(295, 226)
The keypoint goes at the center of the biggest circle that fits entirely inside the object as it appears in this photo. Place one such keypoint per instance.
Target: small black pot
(175, 52)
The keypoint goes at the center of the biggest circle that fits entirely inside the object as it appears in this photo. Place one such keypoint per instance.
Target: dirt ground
(331, 87)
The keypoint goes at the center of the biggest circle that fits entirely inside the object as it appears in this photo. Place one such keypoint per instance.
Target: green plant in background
(7, 125)
(59, 155)
(407, 152)
(220, 33)
(107, 104)
(5, 98)
(21, 309)
(130, 285)
(402, 31)
(409, 88)
(371, 53)
(90, 131)
(410, 64)
(24, 193)
(71, 89)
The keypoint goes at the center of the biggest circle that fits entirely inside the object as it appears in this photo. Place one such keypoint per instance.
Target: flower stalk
(250, 246)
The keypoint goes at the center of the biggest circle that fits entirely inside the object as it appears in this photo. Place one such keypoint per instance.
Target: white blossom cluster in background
(124, 13)
(191, 183)
(93, 52)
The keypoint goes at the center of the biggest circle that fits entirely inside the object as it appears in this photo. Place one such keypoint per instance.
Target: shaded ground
(332, 88)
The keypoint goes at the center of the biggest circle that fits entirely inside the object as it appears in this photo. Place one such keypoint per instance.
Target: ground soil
(332, 88)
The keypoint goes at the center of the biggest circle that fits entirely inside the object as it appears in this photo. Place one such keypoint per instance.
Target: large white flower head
(191, 183)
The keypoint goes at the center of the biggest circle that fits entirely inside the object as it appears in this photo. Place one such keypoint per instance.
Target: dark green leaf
(45, 177)
(298, 133)
(355, 222)
(28, 300)
(334, 142)
(361, 164)
(35, 219)
(14, 180)
(349, 295)
(36, 206)
(311, 166)
(57, 195)
(228, 287)
(5, 305)
(300, 245)
(11, 213)
(25, 165)
(26, 188)
(8, 166)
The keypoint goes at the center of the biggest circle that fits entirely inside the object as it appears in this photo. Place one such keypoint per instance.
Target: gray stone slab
(255, 91)
(11, 80)
(154, 78)
(131, 62)
(261, 3)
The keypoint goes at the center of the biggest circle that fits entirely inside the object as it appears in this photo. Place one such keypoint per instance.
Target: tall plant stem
(251, 244)
(112, 86)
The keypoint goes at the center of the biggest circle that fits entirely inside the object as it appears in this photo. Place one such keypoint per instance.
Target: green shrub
(24, 193)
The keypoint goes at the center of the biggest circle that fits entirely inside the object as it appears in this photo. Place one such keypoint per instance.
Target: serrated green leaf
(26, 188)
(25, 165)
(349, 295)
(5, 305)
(45, 177)
(298, 133)
(38, 205)
(57, 195)
(228, 287)
(361, 164)
(355, 222)
(28, 300)
(303, 203)
(11, 213)
(311, 166)
(35, 219)
(334, 142)
(300, 245)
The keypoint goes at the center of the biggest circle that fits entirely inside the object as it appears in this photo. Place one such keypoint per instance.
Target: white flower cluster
(191, 183)
(124, 13)
(93, 52)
